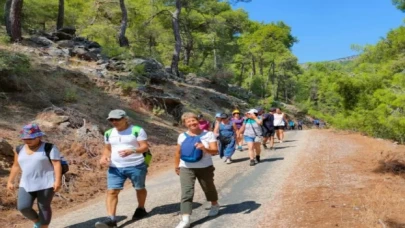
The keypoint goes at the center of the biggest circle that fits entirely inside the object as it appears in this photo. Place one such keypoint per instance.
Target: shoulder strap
(19, 148)
(48, 148)
(108, 133)
(136, 130)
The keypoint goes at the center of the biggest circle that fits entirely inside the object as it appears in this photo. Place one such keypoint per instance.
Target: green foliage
(366, 95)
(14, 63)
(127, 86)
(70, 95)
(158, 111)
(400, 4)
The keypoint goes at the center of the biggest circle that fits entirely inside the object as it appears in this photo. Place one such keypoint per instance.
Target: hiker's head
(278, 110)
(118, 118)
(273, 110)
(260, 110)
(236, 113)
(218, 116)
(200, 117)
(190, 120)
(251, 113)
(31, 135)
(224, 117)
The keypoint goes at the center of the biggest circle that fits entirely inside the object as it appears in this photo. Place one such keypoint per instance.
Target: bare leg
(112, 201)
(141, 195)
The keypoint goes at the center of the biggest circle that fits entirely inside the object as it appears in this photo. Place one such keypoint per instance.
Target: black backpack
(48, 148)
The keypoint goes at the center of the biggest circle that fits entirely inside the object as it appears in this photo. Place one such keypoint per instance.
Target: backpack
(135, 131)
(188, 151)
(48, 148)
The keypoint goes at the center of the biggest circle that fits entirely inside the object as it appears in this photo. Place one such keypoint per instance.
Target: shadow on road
(238, 208)
(271, 159)
(90, 223)
(162, 210)
(282, 147)
(286, 141)
(237, 160)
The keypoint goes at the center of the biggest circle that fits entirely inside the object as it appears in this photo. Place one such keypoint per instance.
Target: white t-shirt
(206, 160)
(124, 140)
(278, 120)
(37, 170)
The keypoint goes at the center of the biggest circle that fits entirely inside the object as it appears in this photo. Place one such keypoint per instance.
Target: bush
(13, 63)
(70, 95)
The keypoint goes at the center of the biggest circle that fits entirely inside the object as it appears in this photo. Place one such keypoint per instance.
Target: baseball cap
(224, 116)
(252, 111)
(218, 115)
(116, 114)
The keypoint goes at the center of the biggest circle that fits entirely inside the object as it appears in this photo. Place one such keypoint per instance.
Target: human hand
(200, 146)
(177, 170)
(10, 186)
(57, 186)
(104, 160)
(124, 153)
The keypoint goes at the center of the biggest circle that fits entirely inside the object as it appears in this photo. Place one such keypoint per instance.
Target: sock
(113, 217)
(185, 218)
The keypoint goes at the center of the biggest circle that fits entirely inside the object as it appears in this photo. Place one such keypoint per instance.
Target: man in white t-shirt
(123, 152)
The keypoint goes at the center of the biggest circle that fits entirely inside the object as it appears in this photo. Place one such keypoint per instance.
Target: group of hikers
(127, 156)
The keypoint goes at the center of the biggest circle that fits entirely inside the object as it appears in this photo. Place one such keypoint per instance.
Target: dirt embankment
(344, 180)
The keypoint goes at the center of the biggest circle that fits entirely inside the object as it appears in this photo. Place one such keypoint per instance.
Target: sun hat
(224, 116)
(31, 131)
(218, 115)
(116, 114)
(252, 111)
(235, 111)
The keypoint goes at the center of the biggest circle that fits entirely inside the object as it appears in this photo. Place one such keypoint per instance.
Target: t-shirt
(124, 140)
(37, 170)
(279, 120)
(268, 121)
(206, 160)
(204, 124)
(252, 128)
(238, 122)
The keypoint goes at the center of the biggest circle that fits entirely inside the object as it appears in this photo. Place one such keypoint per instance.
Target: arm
(242, 129)
(105, 157)
(216, 128)
(235, 129)
(258, 121)
(177, 160)
(13, 173)
(57, 167)
(212, 149)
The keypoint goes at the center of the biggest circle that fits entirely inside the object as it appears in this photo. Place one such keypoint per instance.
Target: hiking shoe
(258, 158)
(252, 162)
(140, 213)
(183, 224)
(108, 223)
(265, 146)
(213, 211)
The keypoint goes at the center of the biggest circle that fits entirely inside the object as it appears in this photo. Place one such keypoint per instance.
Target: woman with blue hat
(41, 175)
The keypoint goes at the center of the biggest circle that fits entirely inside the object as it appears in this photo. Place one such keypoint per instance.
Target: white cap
(252, 111)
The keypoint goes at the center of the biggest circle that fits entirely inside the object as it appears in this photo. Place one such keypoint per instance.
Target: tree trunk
(261, 66)
(253, 65)
(242, 71)
(215, 54)
(187, 53)
(15, 20)
(61, 15)
(205, 55)
(123, 40)
(177, 46)
(7, 8)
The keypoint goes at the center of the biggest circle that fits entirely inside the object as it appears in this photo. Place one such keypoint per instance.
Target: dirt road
(244, 193)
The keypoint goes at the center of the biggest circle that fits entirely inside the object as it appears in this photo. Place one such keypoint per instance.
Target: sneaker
(281, 141)
(240, 148)
(265, 146)
(258, 158)
(37, 225)
(140, 213)
(228, 161)
(108, 223)
(252, 162)
(213, 211)
(183, 224)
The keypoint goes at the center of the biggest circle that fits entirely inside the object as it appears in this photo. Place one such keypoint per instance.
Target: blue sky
(327, 28)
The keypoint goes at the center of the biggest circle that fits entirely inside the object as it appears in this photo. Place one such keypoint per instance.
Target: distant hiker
(227, 131)
(238, 121)
(279, 124)
(268, 128)
(217, 119)
(193, 161)
(123, 153)
(41, 175)
(316, 123)
(252, 134)
(291, 124)
(300, 123)
(204, 124)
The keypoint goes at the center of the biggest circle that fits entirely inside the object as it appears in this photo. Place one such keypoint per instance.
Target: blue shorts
(116, 177)
(248, 139)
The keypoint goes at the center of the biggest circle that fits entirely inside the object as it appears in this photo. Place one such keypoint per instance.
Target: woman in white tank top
(279, 124)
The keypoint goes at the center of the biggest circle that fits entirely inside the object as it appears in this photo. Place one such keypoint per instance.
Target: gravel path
(244, 193)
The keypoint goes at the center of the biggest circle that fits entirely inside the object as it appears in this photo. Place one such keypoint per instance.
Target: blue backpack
(188, 151)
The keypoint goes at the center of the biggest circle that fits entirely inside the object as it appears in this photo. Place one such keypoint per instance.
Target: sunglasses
(115, 120)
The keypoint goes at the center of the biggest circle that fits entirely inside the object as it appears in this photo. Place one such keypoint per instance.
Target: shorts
(116, 176)
(248, 138)
(279, 127)
(268, 132)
